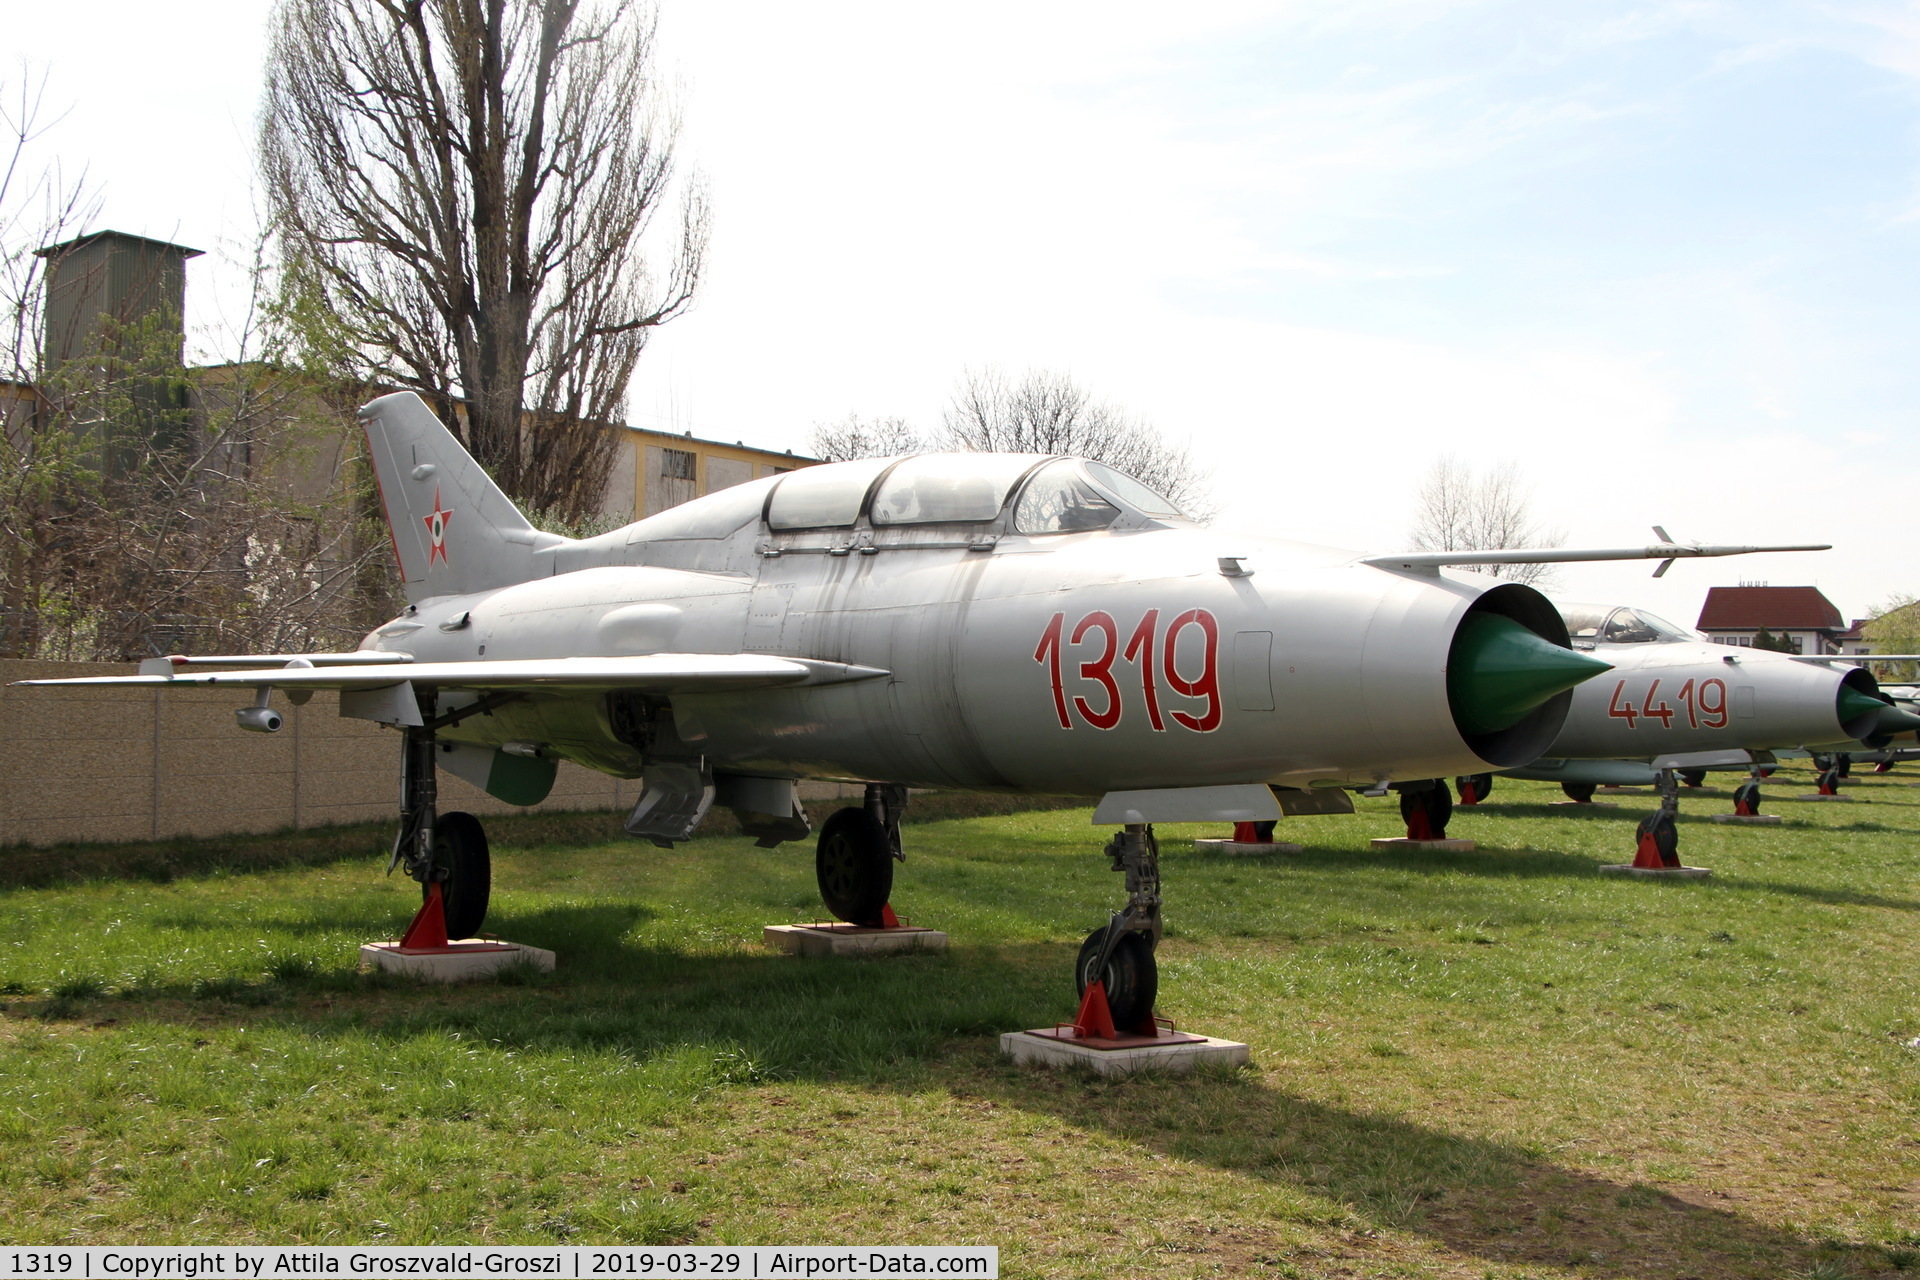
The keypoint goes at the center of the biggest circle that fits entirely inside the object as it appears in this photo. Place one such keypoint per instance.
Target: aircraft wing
(1855, 657)
(1666, 551)
(653, 673)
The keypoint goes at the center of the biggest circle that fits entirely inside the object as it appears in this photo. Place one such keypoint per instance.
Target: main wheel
(1474, 787)
(1132, 978)
(1435, 802)
(1578, 792)
(460, 849)
(855, 866)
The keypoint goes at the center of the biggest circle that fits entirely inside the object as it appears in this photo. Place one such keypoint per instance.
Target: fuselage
(1673, 694)
(1146, 653)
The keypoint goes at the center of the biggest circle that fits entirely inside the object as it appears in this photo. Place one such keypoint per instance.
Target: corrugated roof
(1775, 608)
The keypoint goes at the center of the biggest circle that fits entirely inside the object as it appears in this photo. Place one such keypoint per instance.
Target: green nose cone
(1851, 704)
(1897, 720)
(1499, 671)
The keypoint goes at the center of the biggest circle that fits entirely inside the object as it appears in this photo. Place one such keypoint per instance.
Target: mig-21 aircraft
(1004, 622)
(1675, 703)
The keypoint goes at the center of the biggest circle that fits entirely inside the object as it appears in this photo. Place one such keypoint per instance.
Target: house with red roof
(1735, 615)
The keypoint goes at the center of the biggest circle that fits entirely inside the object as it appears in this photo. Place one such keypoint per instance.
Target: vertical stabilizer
(453, 530)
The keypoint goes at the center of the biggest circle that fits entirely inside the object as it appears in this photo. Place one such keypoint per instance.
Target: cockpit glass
(1584, 620)
(1131, 491)
(824, 497)
(714, 516)
(938, 487)
(1057, 500)
(1634, 626)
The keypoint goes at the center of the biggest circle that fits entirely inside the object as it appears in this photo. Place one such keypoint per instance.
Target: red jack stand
(1249, 833)
(1095, 1018)
(428, 932)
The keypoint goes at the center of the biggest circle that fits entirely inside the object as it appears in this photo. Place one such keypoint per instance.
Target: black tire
(460, 850)
(1481, 785)
(1665, 838)
(1582, 792)
(854, 866)
(1132, 977)
(1843, 764)
(1437, 800)
(1747, 793)
(1692, 777)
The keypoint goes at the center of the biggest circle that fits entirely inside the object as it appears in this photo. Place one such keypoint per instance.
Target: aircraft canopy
(1063, 495)
(1605, 624)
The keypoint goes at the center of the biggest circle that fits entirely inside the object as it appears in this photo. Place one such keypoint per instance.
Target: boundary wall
(149, 764)
(118, 765)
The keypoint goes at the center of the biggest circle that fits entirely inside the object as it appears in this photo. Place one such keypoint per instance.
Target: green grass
(1491, 1063)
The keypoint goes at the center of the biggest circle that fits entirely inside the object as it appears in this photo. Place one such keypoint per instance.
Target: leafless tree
(1047, 412)
(39, 205)
(460, 190)
(1458, 509)
(857, 437)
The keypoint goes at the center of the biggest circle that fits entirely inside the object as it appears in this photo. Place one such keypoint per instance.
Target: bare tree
(1458, 509)
(857, 437)
(1047, 412)
(460, 190)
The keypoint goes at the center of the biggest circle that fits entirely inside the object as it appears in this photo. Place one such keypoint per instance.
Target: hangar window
(1057, 500)
(824, 497)
(938, 487)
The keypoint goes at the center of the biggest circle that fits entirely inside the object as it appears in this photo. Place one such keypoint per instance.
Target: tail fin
(453, 530)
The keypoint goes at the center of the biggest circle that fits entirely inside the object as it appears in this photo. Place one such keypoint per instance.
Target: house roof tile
(1776, 608)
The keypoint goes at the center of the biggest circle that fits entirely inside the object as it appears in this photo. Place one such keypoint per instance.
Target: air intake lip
(1510, 668)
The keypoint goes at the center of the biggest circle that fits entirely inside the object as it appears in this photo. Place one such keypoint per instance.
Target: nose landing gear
(1115, 975)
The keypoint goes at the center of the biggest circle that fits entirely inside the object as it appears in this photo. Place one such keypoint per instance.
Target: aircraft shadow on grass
(867, 1020)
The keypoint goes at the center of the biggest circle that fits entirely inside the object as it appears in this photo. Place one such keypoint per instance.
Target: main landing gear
(446, 852)
(854, 858)
(1474, 787)
(1426, 807)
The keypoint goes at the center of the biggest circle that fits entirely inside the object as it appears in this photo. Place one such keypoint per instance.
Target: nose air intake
(1498, 671)
(1508, 672)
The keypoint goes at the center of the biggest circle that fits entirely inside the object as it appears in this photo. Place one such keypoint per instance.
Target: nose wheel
(1121, 961)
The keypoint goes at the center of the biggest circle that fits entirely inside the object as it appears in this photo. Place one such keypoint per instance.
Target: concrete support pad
(468, 960)
(1247, 846)
(1747, 819)
(1048, 1047)
(1817, 796)
(1656, 873)
(850, 939)
(1401, 842)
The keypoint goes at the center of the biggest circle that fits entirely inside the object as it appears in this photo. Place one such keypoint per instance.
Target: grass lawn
(1498, 1063)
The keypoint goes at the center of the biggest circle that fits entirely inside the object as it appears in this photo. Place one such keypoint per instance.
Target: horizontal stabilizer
(652, 673)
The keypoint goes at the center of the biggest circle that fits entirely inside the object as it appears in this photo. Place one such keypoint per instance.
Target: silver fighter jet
(1005, 622)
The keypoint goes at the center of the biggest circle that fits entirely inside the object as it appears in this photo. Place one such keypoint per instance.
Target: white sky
(1663, 255)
